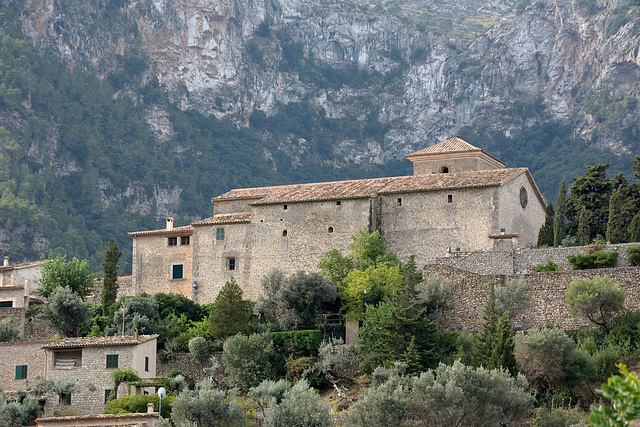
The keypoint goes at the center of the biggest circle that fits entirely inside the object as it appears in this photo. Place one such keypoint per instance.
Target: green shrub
(249, 360)
(634, 254)
(549, 266)
(297, 343)
(138, 404)
(199, 348)
(599, 259)
(546, 417)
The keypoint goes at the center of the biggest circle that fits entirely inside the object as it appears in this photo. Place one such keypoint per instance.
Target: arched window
(444, 169)
(330, 230)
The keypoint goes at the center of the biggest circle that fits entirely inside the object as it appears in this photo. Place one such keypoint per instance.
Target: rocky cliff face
(556, 60)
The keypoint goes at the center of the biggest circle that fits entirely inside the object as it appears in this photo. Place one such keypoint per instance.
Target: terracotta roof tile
(451, 145)
(174, 230)
(364, 188)
(232, 218)
(98, 341)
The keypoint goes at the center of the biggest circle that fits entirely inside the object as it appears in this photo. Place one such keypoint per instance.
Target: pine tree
(401, 329)
(545, 235)
(584, 230)
(231, 314)
(559, 227)
(110, 278)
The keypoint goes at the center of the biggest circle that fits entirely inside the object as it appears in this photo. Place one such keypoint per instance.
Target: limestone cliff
(554, 60)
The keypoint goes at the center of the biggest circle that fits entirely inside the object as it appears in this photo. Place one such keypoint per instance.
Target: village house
(18, 283)
(89, 361)
(459, 199)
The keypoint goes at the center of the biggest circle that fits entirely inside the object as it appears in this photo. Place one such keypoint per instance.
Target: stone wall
(184, 363)
(524, 261)
(546, 291)
(14, 354)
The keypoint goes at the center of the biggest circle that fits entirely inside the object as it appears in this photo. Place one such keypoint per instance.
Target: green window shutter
(146, 363)
(219, 233)
(177, 272)
(21, 372)
(112, 361)
(67, 399)
(107, 392)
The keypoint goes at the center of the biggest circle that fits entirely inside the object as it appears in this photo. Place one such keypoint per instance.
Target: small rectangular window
(231, 264)
(67, 398)
(107, 392)
(450, 198)
(219, 233)
(112, 361)
(21, 372)
(173, 241)
(399, 201)
(177, 271)
(6, 303)
(338, 203)
(185, 240)
(146, 363)
(285, 207)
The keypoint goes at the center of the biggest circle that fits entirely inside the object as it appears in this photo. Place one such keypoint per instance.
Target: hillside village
(452, 248)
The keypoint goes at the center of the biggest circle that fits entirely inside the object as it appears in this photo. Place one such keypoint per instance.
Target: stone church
(459, 199)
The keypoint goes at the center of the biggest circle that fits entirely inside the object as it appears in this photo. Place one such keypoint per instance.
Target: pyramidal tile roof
(451, 145)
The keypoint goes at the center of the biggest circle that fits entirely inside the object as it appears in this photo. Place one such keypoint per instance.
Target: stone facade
(89, 361)
(18, 283)
(463, 206)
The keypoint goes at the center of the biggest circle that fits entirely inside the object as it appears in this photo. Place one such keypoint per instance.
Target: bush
(445, 396)
(206, 406)
(550, 360)
(549, 266)
(138, 404)
(512, 297)
(199, 349)
(10, 329)
(599, 259)
(546, 417)
(634, 254)
(297, 343)
(295, 406)
(248, 360)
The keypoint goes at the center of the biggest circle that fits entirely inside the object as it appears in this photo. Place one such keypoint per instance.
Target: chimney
(5, 262)
(149, 408)
(169, 223)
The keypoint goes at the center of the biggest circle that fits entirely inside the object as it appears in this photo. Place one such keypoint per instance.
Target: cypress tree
(559, 227)
(634, 228)
(545, 235)
(484, 341)
(617, 217)
(494, 343)
(110, 278)
(584, 231)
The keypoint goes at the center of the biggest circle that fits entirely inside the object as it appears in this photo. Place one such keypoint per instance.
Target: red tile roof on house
(99, 341)
(185, 229)
(364, 188)
(232, 218)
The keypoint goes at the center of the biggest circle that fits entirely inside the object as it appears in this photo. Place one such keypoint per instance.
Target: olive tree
(445, 396)
(58, 272)
(599, 299)
(66, 312)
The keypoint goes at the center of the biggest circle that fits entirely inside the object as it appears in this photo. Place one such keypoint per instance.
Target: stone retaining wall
(524, 261)
(546, 291)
